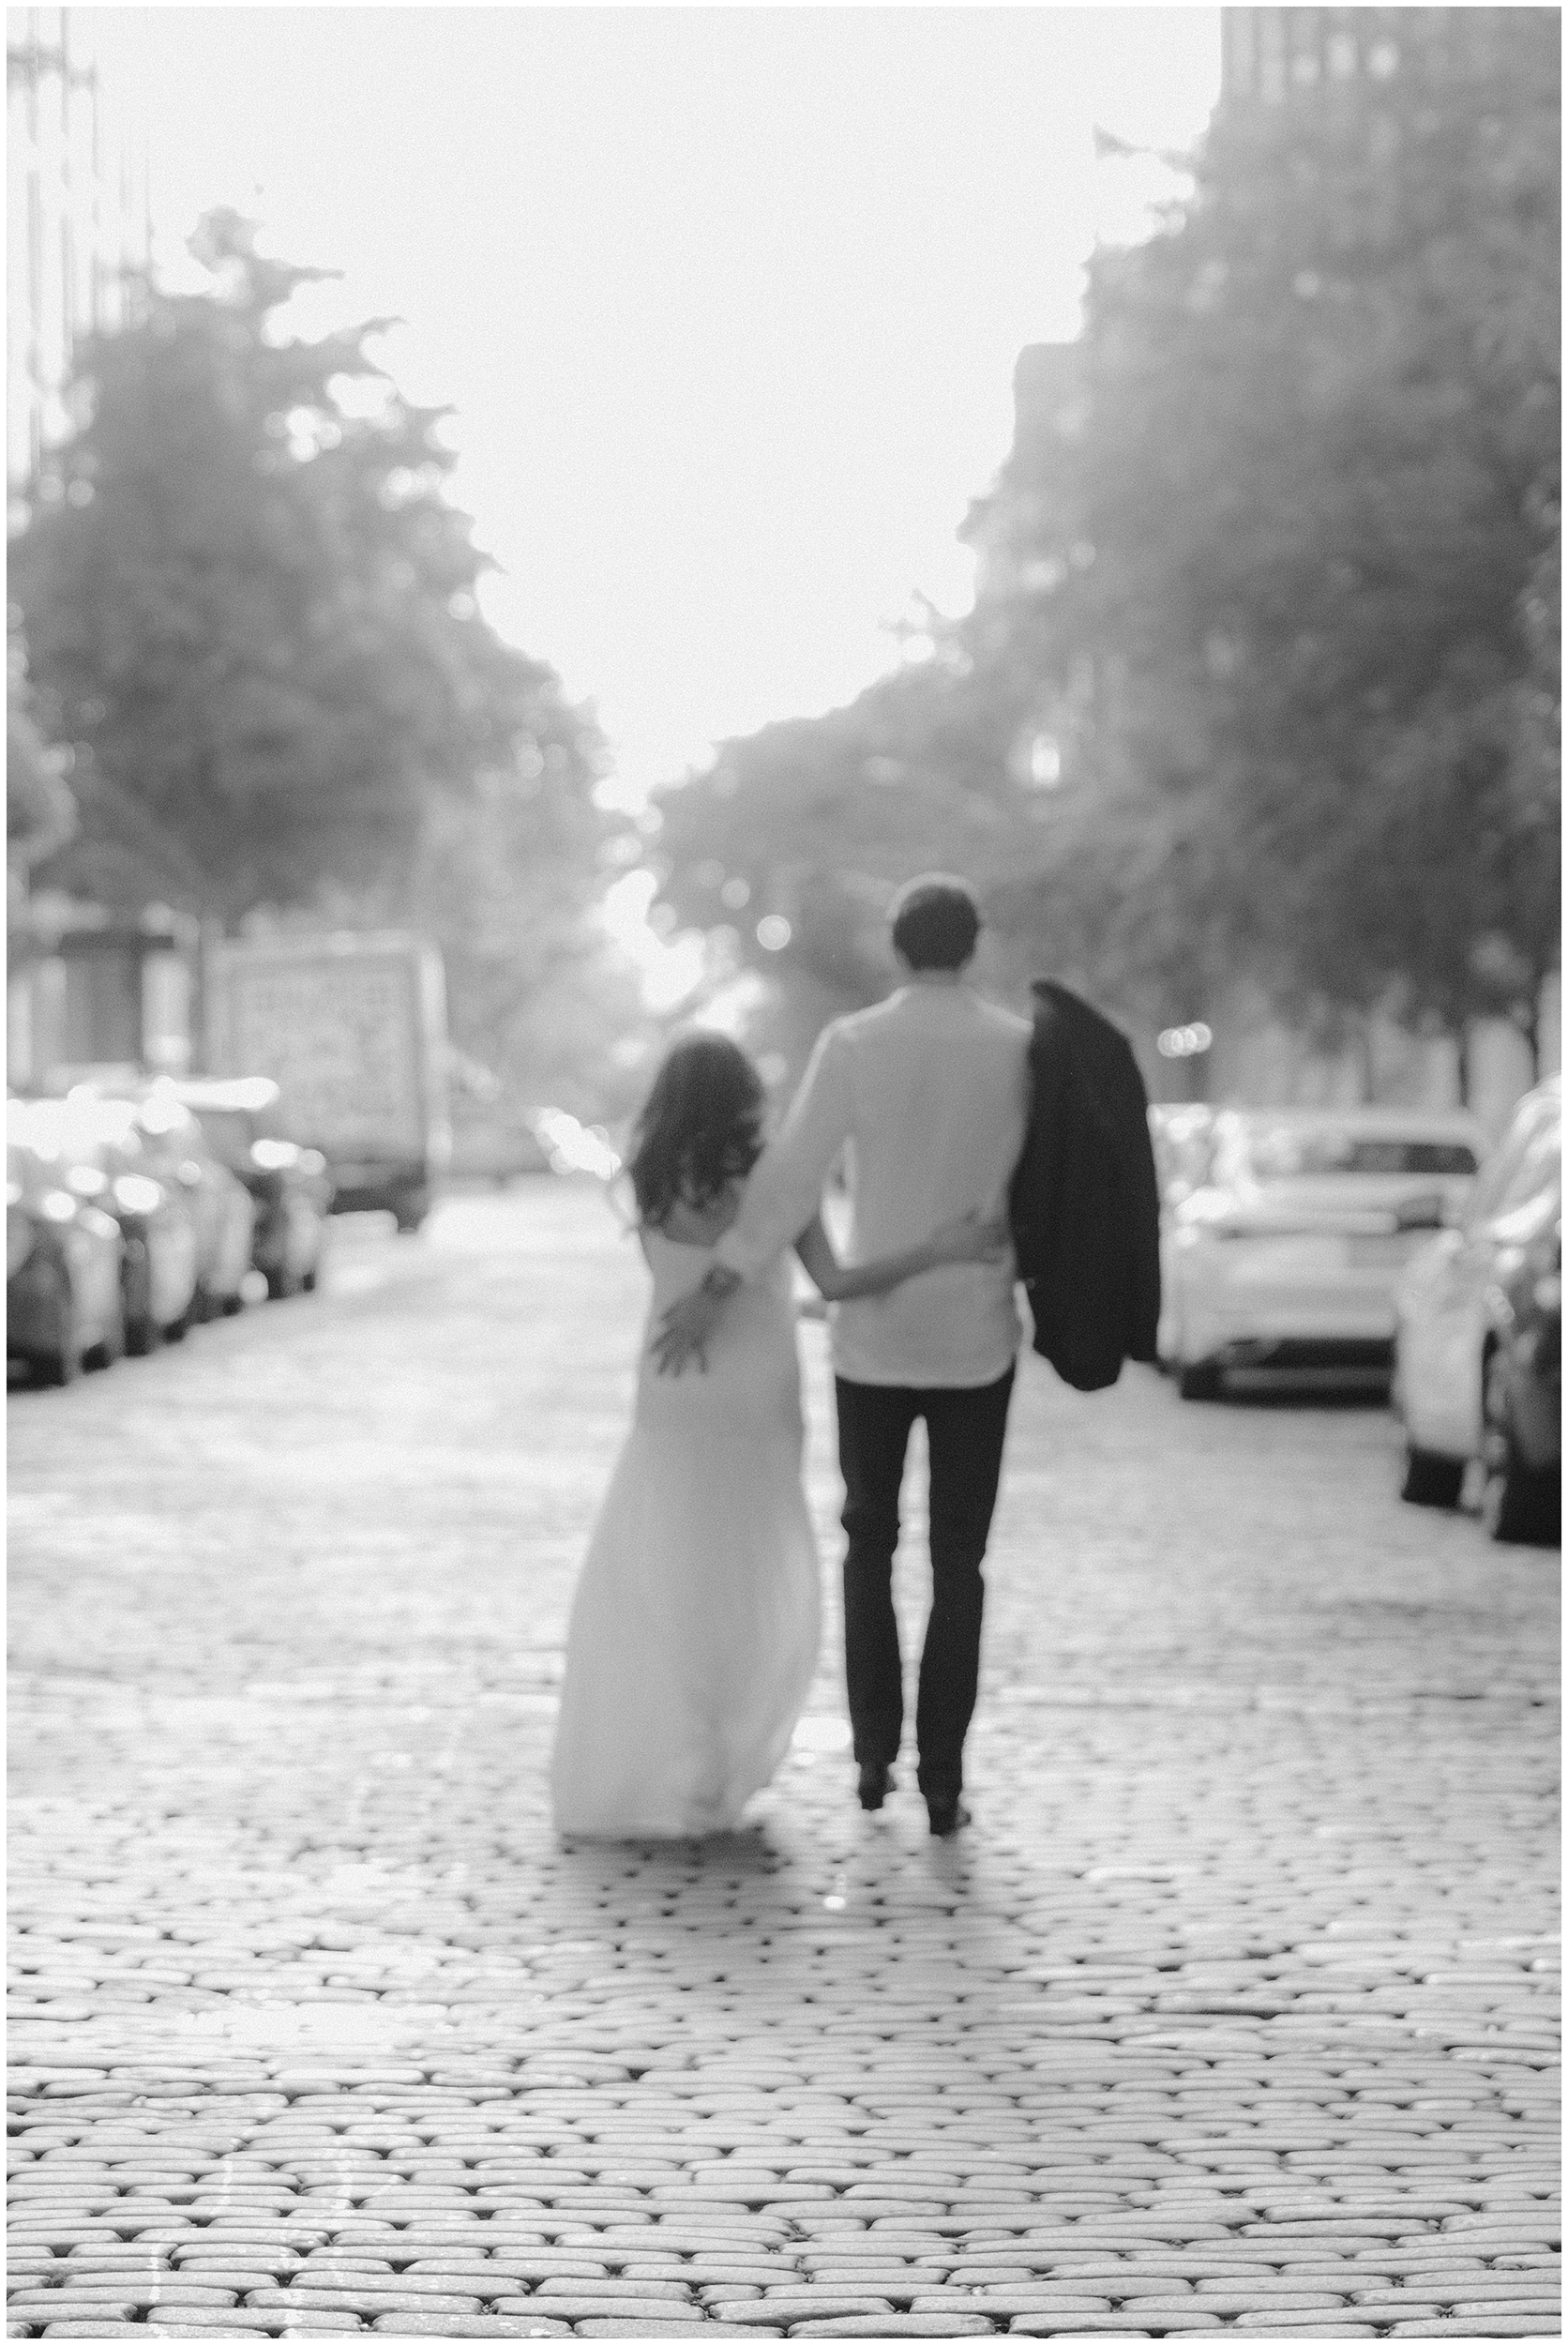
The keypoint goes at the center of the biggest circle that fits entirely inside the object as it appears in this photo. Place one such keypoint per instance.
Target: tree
(1294, 538)
(788, 847)
(510, 888)
(247, 598)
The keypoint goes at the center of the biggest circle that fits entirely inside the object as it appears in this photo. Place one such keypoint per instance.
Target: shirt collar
(959, 993)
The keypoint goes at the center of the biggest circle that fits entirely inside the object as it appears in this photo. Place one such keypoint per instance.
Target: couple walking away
(694, 1627)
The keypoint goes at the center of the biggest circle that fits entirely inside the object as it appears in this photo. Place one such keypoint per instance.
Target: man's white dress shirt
(929, 1090)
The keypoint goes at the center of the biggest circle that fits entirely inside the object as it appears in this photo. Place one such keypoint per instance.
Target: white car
(1478, 1357)
(1289, 1253)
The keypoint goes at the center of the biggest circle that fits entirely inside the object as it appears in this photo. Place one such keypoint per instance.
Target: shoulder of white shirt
(859, 1022)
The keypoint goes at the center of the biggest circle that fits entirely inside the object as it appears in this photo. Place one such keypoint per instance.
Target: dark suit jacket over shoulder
(1084, 1198)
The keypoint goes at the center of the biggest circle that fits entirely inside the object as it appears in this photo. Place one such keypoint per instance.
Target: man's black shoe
(876, 1781)
(946, 1816)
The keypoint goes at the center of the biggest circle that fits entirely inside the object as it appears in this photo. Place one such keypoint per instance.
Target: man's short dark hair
(936, 922)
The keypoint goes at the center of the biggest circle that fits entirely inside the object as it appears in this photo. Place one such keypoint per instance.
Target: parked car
(1288, 1253)
(63, 1306)
(176, 1150)
(246, 1126)
(1478, 1347)
(222, 1205)
(111, 1166)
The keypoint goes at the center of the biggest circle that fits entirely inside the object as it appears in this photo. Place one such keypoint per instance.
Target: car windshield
(74, 1131)
(22, 1133)
(1291, 1152)
(109, 1123)
(229, 1132)
(163, 1119)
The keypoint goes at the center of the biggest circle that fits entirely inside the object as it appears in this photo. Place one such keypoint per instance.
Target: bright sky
(727, 300)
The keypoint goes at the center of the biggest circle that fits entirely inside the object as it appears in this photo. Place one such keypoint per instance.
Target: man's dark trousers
(965, 1426)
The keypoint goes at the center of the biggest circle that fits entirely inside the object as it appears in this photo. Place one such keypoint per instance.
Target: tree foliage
(1301, 535)
(812, 822)
(1268, 596)
(247, 596)
(510, 883)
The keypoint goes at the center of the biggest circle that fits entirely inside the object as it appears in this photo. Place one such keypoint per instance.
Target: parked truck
(353, 1028)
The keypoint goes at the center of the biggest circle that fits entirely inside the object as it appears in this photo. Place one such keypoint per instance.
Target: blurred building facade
(78, 243)
(77, 219)
(1268, 55)
(102, 989)
(1274, 57)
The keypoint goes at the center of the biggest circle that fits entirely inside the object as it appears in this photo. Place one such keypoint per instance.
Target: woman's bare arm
(966, 1239)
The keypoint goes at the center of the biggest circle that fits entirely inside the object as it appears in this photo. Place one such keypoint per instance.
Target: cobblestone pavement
(1234, 2009)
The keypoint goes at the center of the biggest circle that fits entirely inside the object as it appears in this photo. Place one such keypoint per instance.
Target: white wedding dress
(695, 1624)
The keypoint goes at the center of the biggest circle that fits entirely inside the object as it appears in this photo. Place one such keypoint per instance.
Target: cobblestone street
(1235, 2007)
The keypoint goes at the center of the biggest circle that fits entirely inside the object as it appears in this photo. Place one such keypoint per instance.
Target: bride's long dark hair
(701, 1127)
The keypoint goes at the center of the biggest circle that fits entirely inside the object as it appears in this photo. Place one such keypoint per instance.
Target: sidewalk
(1235, 2009)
